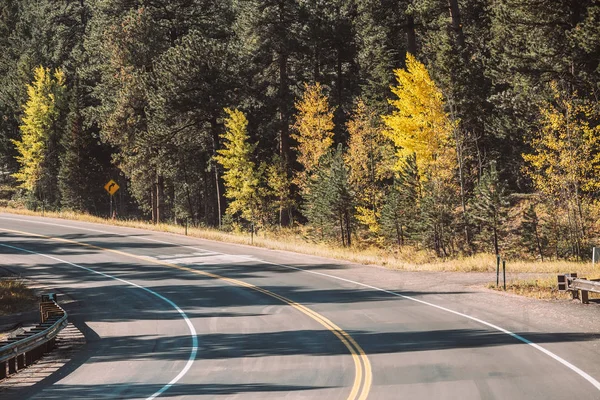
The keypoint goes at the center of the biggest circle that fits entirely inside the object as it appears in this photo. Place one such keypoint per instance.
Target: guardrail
(23, 350)
(570, 282)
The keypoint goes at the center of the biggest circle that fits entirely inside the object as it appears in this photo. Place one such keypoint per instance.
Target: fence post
(504, 273)
(497, 270)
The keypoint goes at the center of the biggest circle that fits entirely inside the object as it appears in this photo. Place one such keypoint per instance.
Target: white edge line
(193, 333)
(536, 346)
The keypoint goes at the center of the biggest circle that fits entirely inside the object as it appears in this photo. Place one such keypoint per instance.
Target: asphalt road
(168, 316)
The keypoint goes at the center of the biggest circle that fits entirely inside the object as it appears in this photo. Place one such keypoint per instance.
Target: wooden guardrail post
(12, 366)
(23, 350)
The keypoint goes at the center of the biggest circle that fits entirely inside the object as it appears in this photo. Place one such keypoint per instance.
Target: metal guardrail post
(570, 282)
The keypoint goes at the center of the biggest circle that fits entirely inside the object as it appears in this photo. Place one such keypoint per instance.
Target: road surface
(167, 316)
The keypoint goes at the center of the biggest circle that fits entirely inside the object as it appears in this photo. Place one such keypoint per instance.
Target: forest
(453, 126)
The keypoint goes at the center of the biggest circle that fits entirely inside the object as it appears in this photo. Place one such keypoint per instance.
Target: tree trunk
(342, 232)
(153, 201)
(539, 243)
(496, 249)
(456, 22)
(188, 195)
(219, 185)
(160, 203)
(284, 211)
(459, 139)
(284, 120)
(411, 38)
(348, 228)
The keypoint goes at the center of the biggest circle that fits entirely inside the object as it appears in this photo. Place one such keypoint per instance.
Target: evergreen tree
(81, 177)
(489, 206)
(400, 214)
(329, 200)
(270, 32)
(385, 31)
(530, 231)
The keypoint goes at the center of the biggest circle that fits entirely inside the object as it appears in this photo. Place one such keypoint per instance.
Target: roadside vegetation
(15, 297)
(539, 288)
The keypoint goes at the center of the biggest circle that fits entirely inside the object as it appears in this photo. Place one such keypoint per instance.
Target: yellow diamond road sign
(111, 187)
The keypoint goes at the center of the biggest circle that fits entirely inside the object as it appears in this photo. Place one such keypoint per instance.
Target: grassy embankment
(15, 297)
(408, 259)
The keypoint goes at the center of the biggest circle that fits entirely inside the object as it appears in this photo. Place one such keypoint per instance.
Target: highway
(169, 316)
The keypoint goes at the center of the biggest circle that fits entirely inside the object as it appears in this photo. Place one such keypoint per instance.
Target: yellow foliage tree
(41, 113)
(370, 158)
(418, 123)
(240, 177)
(419, 126)
(566, 162)
(566, 147)
(313, 131)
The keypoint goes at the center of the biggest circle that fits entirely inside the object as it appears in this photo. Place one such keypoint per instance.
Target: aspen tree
(40, 114)
(370, 158)
(240, 176)
(565, 164)
(313, 131)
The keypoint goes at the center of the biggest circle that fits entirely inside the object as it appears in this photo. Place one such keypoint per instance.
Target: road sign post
(111, 187)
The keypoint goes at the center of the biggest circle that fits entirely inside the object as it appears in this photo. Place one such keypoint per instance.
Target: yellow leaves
(566, 158)
(370, 158)
(419, 123)
(240, 176)
(313, 130)
(369, 218)
(40, 112)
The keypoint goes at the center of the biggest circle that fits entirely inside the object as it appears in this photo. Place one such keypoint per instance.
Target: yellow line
(358, 355)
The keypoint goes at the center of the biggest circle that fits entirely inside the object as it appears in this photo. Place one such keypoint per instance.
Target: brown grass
(541, 288)
(15, 297)
(295, 240)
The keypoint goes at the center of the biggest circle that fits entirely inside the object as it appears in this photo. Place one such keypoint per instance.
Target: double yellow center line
(363, 374)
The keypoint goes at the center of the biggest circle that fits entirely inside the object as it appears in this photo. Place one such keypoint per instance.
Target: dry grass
(15, 297)
(541, 288)
(295, 240)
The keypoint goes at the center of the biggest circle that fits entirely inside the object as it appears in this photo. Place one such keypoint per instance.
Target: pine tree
(240, 176)
(530, 231)
(80, 177)
(329, 199)
(400, 213)
(270, 33)
(489, 205)
(385, 32)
